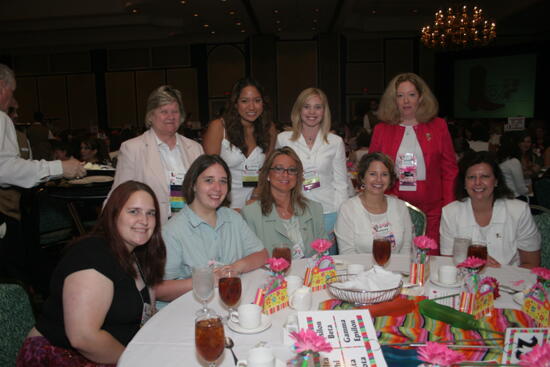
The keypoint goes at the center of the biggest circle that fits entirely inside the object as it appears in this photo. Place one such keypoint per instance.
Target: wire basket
(361, 297)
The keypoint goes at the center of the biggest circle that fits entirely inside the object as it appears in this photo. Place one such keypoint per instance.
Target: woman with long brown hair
(102, 291)
(282, 214)
(242, 137)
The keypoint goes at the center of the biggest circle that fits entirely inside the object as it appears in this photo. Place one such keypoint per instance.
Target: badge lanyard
(148, 308)
(177, 201)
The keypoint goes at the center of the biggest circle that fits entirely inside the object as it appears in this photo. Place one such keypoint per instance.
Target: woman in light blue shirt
(206, 230)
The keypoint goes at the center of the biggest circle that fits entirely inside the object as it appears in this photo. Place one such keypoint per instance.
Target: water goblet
(203, 286)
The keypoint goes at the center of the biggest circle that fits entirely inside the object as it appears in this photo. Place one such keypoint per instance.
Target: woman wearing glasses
(282, 214)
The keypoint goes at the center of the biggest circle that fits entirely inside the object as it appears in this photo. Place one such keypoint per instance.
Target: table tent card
(519, 341)
(351, 334)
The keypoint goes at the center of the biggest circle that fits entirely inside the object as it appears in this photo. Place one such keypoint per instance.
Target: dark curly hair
(471, 159)
(234, 130)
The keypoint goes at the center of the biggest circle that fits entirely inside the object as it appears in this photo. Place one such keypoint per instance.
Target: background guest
(372, 213)
(102, 288)
(93, 150)
(206, 231)
(242, 137)
(160, 157)
(420, 144)
(321, 152)
(282, 214)
(486, 213)
(508, 157)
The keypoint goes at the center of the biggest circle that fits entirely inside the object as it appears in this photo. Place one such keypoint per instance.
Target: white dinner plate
(435, 280)
(264, 324)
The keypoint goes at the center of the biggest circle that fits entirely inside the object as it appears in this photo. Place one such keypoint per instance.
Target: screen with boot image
(495, 87)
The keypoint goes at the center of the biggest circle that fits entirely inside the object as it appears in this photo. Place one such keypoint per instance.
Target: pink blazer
(139, 160)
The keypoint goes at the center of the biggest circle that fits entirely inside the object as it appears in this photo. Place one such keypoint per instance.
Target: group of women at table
(286, 188)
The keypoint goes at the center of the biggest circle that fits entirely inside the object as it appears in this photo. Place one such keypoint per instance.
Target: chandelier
(458, 27)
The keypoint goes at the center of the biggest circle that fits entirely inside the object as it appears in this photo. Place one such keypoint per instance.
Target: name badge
(250, 175)
(407, 166)
(311, 180)
(177, 201)
(384, 230)
(297, 252)
(148, 312)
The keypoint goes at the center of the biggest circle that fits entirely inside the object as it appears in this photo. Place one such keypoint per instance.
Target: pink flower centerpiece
(472, 262)
(308, 345)
(539, 356)
(423, 244)
(439, 354)
(542, 273)
(321, 245)
(277, 265)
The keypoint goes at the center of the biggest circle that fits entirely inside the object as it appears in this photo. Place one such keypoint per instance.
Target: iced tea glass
(283, 251)
(381, 250)
(209, 337)
(230, 288)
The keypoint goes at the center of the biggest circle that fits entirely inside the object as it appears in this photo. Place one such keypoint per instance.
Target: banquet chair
(16, 320)
(418, 218)
(541, 215)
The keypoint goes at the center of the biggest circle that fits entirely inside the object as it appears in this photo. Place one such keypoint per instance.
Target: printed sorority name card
(521, 340)
(351, 334)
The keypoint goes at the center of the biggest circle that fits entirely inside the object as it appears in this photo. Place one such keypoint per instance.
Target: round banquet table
(168, 339)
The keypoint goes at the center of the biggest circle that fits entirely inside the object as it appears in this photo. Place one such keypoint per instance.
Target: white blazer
(511, 228)
(354, 229)
(329, 160)
(139, 160)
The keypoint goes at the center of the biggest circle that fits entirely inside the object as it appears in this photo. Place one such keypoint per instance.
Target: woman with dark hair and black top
(102, 290)
(486, 212)
(242, 137)
(94, 150)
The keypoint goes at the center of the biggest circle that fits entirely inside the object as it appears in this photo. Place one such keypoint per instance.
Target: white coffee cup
(258, 357)
(293, 282)
(447, 274)
(355, 269)
(248, 316)
(301, 299)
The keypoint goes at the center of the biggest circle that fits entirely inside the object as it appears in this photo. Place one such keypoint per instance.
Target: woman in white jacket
(485, 213)
(372, 213)
(321, 152)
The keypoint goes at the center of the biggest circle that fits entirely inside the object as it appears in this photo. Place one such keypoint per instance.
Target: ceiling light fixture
(232, 12)
(459, 27)
(196, 15)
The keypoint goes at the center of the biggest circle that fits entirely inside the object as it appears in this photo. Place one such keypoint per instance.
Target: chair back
(418, 218)
(16, 320)
(541, 215)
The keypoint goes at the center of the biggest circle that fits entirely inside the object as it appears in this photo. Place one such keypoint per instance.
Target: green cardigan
(271, 230)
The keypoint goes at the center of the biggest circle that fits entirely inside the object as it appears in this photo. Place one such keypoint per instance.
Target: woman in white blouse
(485, 213)
(242, 137)
(321, 152)
(371, 213)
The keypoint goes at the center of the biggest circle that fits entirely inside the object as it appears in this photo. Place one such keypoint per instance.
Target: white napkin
(374, 279)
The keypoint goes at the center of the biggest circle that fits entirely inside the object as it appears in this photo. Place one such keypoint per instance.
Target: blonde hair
(162, 96)
(427, 106)
(297, 109)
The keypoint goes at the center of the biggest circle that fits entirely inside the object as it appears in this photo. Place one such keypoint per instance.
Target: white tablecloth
(168, 338)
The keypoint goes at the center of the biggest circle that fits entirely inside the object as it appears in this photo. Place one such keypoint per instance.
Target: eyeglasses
(292, 171)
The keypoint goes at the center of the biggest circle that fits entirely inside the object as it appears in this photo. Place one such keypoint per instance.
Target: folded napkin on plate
(375, 279)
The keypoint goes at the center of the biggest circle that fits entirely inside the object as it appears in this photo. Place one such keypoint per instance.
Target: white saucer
(264, 324)
(435, 280)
